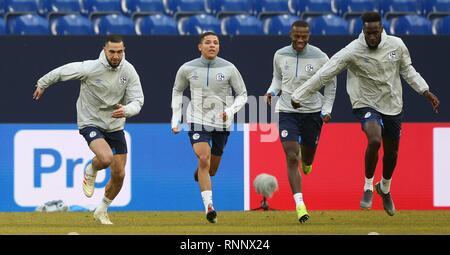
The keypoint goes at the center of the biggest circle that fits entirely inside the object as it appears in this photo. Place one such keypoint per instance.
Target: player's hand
(175, 130)
(435, 103)
(38, 93)
(224, 116)
(326, 118)
(295, 104)
(119, 112)
(268, 98)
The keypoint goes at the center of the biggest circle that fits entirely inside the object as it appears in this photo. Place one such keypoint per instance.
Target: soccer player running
(374, 62)
(211, 110)
(292, 66)
(110, 92)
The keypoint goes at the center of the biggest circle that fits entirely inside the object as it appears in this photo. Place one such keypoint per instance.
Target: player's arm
(275, 86)
(71, 71)
(134, 99)
(325, 75)
(181, 83)
(238, 85)
(415, 80)
(329, 94)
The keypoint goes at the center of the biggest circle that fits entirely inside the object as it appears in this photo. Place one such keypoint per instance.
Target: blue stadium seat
(392, 8)
(328, 25)
(241, 25)
(113, 24)
(279, 24)
(411, 25)
(61, 7)
(350, 8)
(435, 8)
(355, 26)
(95, 8)
(71, 24)
(2, 27)
(2, 7)
(441, 26)
(197, 24)
(28, 24)
(157, 24)
(222, 8)
(142, 7)
(307, 8)
(17, 7)
(179, 8)
(270, 7)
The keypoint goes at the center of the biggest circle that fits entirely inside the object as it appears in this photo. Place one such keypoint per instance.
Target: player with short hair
(374, 63)
(211, 110)
(110, 92)
(292, 66)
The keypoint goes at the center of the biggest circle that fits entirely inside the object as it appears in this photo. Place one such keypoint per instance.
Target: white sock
(298, 197)
(368, 185)
(207, 199)
(104, 204)
(385, 185)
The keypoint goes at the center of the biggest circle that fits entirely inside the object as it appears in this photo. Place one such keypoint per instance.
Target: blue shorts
(217, 139)
(300, 127)
(391, 125)
(116, 140)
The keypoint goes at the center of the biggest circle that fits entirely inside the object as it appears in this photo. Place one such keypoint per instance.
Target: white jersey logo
(392, 55)
(309, 68)
(284, 133)
(368, 114)
(220, 77)
(196, 136)
(123, 80)
(92, 134)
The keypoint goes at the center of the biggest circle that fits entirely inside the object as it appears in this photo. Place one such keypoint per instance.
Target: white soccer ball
(265, 184)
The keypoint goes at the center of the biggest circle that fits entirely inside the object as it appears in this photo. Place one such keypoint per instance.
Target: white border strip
(246, 167)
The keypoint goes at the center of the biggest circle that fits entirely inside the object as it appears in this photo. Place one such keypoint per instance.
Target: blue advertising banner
(44, 162)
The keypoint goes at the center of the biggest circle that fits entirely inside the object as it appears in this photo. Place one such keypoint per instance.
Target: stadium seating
(222, 8)
(435, 8)
(328, 25)
(350, 8)
(158, 24)
(197, 24)
(2, 27)
(18, 7)
(71, 24)
(307, 8)
(241, 25)
(393, 8)
(113, 24)
(355, 26)
(142, 7)
(61, 7)
(28, 24)
(179, 8)
(441, 26)
(2, 7)
(263, 8)
(411, 24)
(95, 8)
(279, 24)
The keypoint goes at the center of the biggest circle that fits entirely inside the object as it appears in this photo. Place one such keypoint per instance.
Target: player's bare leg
(113, 187)
(372, 129)
(103, 158)
(307, 159)
(203, 152)
(291, 151)
(214, 166)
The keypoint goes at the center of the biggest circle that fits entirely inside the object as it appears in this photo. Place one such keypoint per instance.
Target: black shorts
(300, 127)
(391, 125)
(217, 139)
(116, 140)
